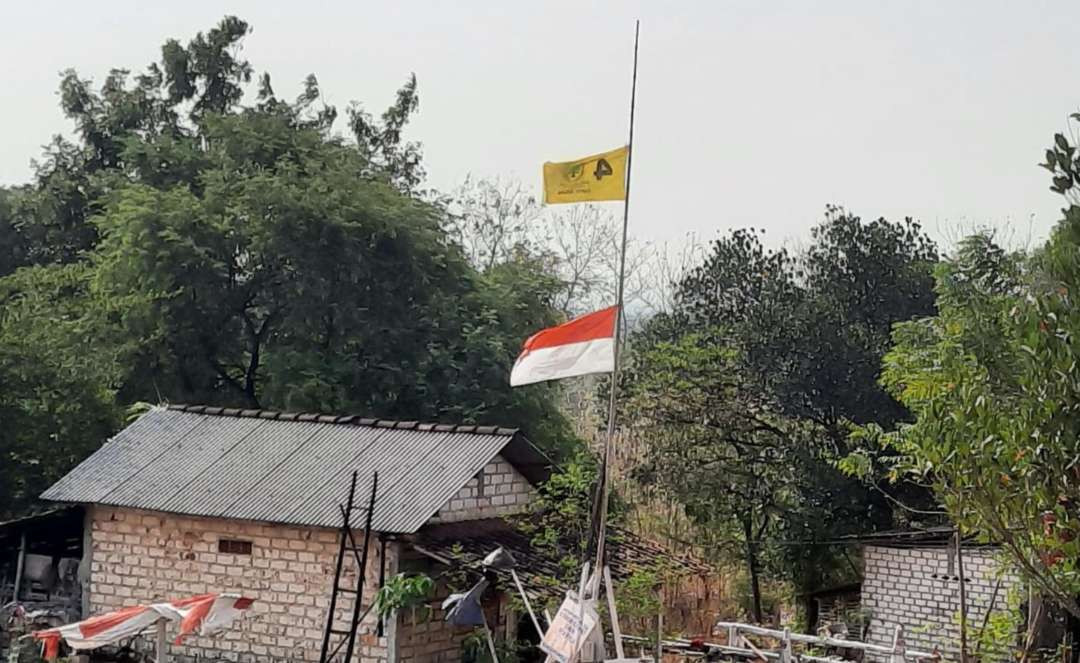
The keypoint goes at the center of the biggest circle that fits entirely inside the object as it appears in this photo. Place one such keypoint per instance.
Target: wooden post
(660, 634)
(986, 616)
(583, 585)
(528, 606)
(732, 635)
(159, 647)
(86, 563)
(613, 614)
(785, 651)
(382, 581)
(963, 598)
(19, 566)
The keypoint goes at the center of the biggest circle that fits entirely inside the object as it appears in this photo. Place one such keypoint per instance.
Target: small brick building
(913, 580)
(194, 499)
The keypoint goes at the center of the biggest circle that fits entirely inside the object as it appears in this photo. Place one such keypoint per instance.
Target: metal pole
(608, 443)
(963, 599)
(362, 571)
(19, 566)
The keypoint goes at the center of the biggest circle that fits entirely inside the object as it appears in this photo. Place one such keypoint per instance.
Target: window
(234, 547)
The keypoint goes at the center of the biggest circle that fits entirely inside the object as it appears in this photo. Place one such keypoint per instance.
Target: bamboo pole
(605, 468)
(818, 640)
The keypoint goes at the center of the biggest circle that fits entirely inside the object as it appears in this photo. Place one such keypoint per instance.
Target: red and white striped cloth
(205, 614)
(579, 347)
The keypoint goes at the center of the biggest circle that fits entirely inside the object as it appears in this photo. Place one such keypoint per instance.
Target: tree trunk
(752, 567)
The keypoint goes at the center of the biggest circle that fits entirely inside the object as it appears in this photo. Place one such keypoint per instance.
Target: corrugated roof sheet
(289, 468)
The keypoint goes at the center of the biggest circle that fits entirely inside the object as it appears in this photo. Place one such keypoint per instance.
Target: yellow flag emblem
(599, 177)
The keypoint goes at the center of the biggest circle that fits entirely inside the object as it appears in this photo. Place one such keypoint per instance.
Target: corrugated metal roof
(289, 468)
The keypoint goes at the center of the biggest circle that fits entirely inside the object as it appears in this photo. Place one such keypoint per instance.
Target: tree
(495, 221)
(794, 315)
(498, 221)
(715, 443)
(763, 365)
(56, 401)
(12, 248)
(992, 383)
(248, 255)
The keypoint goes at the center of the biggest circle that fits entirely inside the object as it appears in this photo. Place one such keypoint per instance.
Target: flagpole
(605, 468)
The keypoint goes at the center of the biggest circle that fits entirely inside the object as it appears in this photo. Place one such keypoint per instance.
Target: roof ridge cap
(345, 419)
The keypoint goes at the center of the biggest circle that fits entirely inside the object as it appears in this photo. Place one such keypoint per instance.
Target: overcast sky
(749, 112)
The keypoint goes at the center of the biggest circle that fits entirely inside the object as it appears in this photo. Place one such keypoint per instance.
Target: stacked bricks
(917, 588)
(498, 490)
(139, 557)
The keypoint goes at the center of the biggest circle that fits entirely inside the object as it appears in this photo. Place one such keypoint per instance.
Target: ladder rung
(337, 632)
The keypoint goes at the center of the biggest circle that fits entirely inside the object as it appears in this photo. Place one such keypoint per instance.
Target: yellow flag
(599, 177)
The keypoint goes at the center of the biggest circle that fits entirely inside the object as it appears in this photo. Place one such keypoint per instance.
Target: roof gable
(289, 468)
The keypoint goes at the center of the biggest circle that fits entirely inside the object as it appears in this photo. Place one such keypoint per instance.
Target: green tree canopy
(746, 392)
(992, 381)
(209, 250)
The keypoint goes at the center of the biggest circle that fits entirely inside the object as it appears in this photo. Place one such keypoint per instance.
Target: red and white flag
(579, 347)
(204, 614)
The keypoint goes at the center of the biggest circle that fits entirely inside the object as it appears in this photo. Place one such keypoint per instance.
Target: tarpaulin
(205, 614)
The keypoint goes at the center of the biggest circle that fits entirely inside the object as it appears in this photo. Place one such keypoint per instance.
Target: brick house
(912, 579)
(187, 500)
(190, 499)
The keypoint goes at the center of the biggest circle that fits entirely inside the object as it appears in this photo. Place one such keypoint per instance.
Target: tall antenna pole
(605, 478)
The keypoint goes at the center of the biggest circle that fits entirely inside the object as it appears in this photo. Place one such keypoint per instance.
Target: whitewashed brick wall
(141, 556)
(504, 492)
(918, 589)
